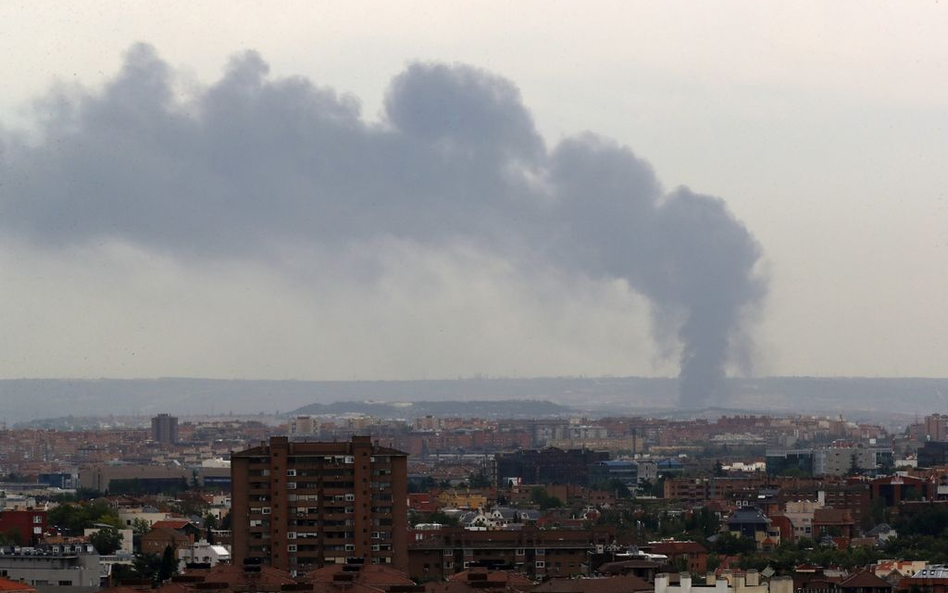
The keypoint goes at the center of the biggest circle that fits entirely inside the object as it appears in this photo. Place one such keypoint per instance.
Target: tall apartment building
(301, 505)
(164, 429)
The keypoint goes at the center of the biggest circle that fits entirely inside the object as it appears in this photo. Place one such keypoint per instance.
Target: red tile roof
(10, 585)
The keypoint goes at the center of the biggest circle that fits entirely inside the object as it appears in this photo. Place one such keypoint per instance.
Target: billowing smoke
(251, 165)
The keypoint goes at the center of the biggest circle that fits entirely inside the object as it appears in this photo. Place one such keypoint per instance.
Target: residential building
(61, 568)
(304, 426)
(933, 454)
(436, 554)
(602, 472)
(752, 523)
(164, 429)
(301, 505)
(546, 466)
(202, 553)
(936, 427)
(689, 555)
(727, 583)
(29, 525)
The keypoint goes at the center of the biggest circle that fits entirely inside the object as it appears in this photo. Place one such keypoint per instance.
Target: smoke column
(252, 164)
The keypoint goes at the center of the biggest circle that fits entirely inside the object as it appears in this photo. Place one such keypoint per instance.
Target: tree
(74, 518)
(730, 544)
(107, 540)
(140, 526)
(545, 501)
(479, 479)
(616, 486)
(444, 519)
(168, 567)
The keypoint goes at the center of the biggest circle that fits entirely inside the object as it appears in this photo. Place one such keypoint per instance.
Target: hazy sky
(823, 126)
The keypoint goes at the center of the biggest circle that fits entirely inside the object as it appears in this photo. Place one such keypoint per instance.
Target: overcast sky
(823, 126)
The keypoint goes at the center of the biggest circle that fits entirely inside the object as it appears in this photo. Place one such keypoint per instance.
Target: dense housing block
(300, 505)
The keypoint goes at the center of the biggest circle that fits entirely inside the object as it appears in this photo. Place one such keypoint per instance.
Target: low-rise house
(864, 582)
(931, 579)
(202, 553)
(752, 523)
(156, 540)
(687, 555)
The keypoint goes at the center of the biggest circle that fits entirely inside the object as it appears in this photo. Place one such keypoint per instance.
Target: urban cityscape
(474, 297)
(432, 503)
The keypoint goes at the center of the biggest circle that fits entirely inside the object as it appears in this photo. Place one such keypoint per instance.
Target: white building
(203, 552)
(727, 583)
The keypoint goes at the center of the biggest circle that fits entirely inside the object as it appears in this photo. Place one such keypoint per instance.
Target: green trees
(73, 518)
(140, 527)
(107, 540)
(545, 501)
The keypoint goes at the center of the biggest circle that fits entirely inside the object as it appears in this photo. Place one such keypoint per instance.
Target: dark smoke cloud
(252, 163)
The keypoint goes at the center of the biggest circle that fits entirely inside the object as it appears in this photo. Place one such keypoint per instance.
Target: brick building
(301, 505)
(439, 553)
(29, 525)
(547, 466)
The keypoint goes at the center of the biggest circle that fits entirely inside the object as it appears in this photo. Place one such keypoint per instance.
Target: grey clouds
(251, 164)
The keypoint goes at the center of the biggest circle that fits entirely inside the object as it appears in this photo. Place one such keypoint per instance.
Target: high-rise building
(936, 427)
(299, 505)
(164, 429)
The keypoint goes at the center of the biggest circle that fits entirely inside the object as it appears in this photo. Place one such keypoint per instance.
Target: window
(541, 564)
(290, 535)
(265, 510)
(291, 472)
(291, 547)
(291, 485)
(65, 583)
(37, 518)
(350, 547)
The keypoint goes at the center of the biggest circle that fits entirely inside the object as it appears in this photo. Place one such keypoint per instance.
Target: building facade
(301, 505)
(164, 429)
(546, 466)
(437, 554)
(53, 568)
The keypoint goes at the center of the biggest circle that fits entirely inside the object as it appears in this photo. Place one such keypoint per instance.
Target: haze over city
(420, 191)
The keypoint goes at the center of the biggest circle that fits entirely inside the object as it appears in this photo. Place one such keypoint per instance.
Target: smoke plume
(253, 165)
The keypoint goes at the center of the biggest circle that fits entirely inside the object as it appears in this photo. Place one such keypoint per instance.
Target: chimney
(738, 582)
(661, 583)
(684, 582)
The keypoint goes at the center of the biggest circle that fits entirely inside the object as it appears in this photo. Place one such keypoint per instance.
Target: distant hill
(26, 399)
(513, 408)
